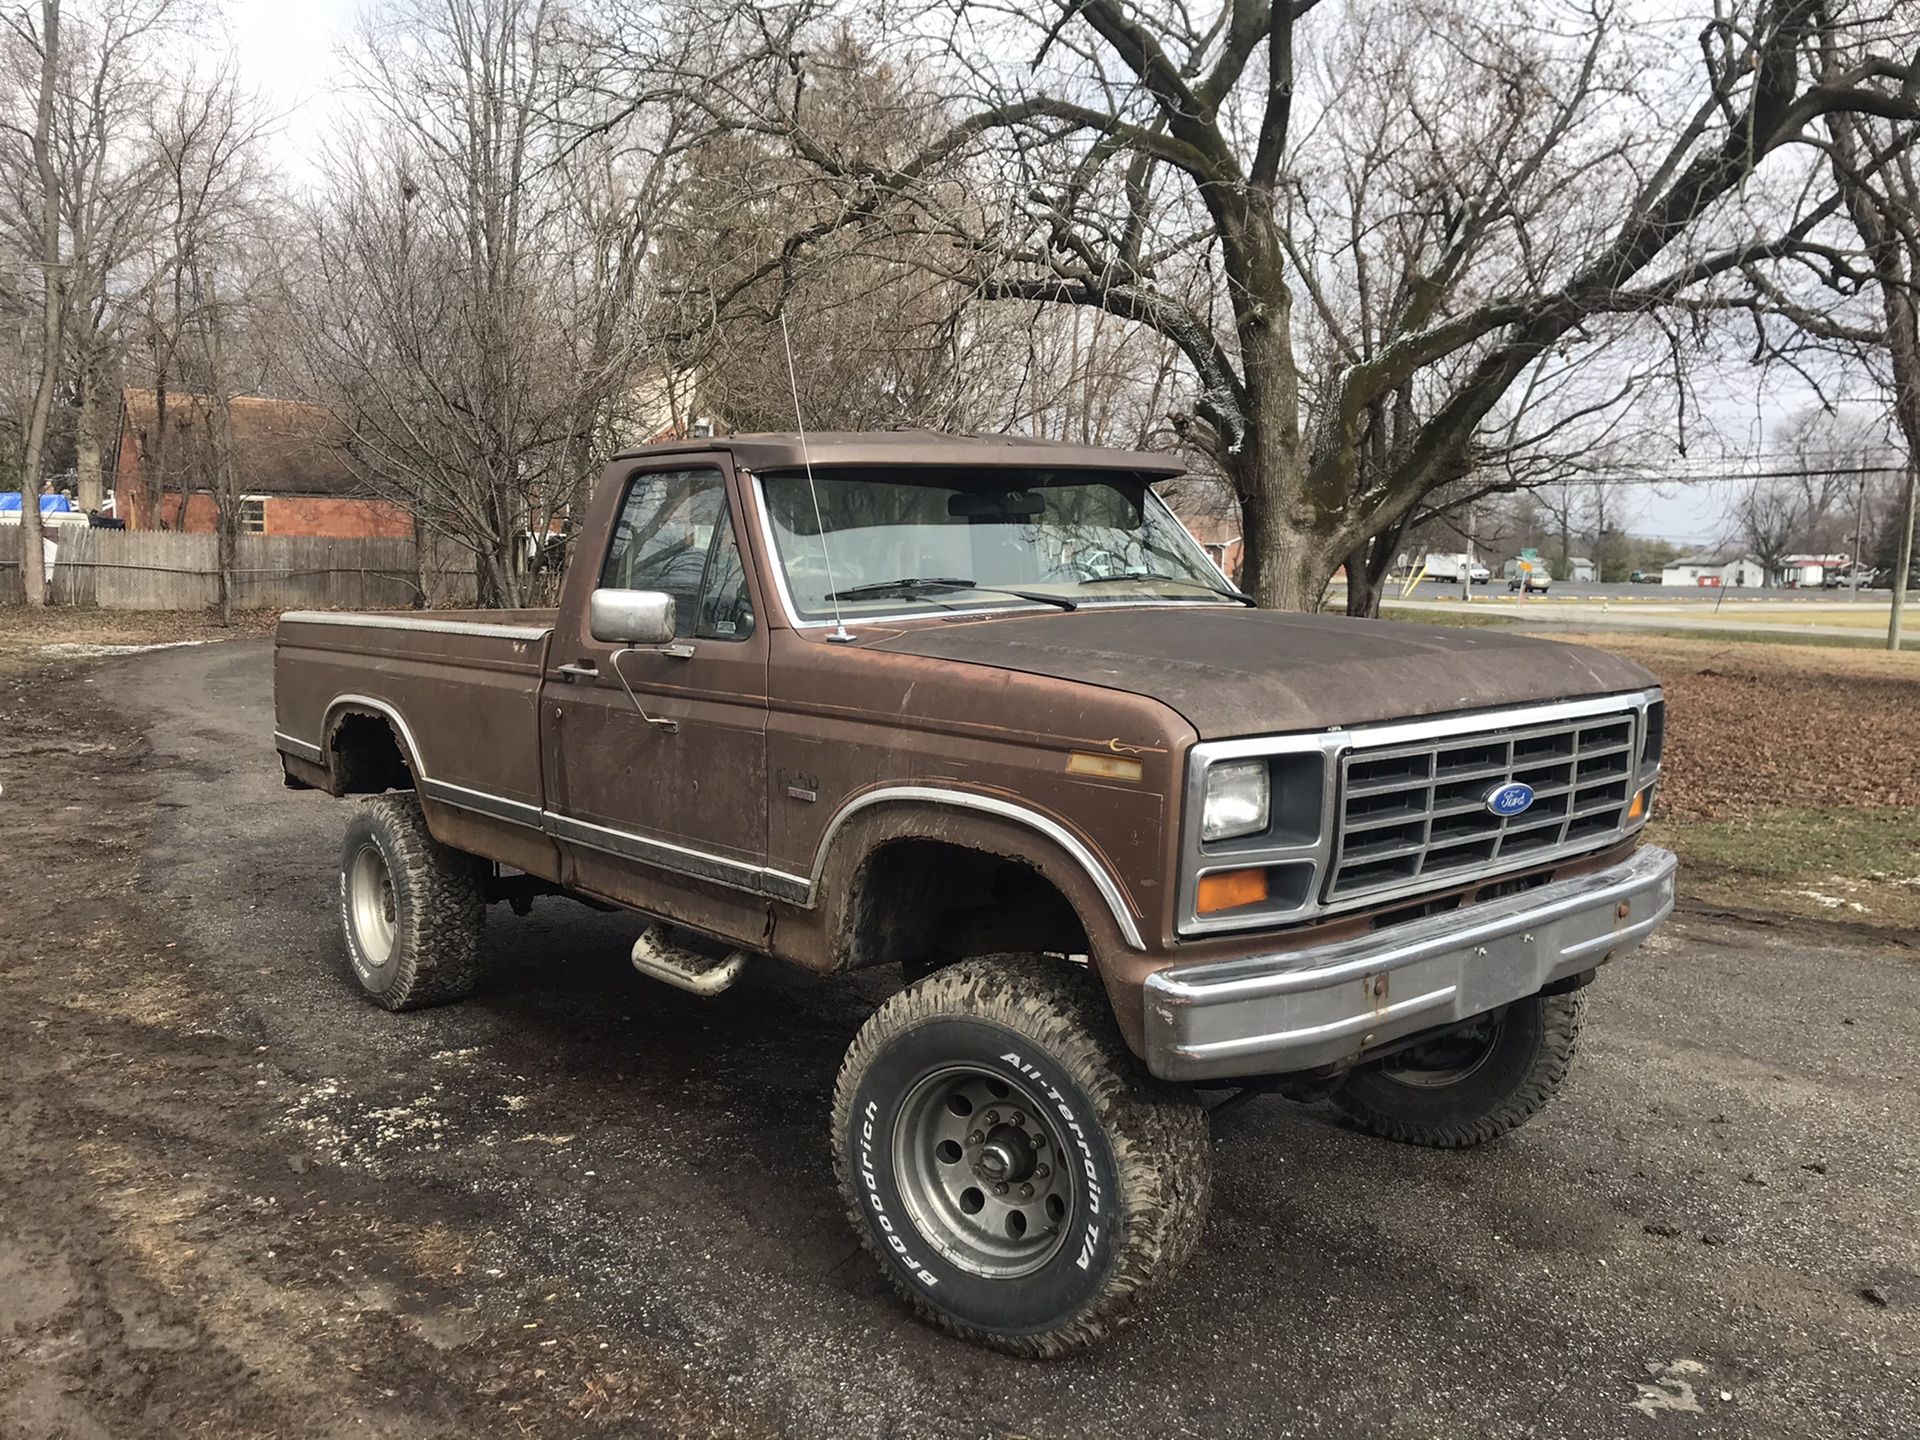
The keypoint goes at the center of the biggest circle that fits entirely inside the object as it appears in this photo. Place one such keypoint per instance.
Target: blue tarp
(49, 504)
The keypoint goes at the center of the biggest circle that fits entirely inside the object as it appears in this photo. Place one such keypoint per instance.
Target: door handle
(580, 672)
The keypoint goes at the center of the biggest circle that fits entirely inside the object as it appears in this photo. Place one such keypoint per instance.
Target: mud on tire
(412, 910)
(1524, 1062)
(970, 1082)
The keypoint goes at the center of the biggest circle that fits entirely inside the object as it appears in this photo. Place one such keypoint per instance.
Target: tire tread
(1364, 1101)
(1158, 1133)
(439, 962)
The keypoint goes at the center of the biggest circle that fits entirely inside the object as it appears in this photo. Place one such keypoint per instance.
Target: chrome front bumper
(1299, 1009)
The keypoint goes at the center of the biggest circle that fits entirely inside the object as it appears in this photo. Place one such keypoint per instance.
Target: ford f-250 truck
(981, 710)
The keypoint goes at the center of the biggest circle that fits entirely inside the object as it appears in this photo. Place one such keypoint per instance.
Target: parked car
(1537, 580)
(982, 712)
(1644, 577)
(1480, 575)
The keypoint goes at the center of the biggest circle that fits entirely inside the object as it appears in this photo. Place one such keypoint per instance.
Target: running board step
(656, 956)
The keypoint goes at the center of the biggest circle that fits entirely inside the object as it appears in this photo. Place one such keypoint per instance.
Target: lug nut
(1019, 1118)
(976, 1137)
(1040, 1172)
(1000, 1187)
(1026, 1192)
(1039, 1141)
(993, 1117)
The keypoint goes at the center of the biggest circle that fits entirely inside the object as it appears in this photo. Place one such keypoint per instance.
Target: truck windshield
(933, 539)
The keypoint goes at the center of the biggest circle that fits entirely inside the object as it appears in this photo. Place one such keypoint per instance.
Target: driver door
(657, 755)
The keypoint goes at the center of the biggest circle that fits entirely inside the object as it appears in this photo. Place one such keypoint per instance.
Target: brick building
(290, 462)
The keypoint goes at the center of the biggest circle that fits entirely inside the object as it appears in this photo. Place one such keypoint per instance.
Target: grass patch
(1465, 618)
(1567, 622)
(1844, 864)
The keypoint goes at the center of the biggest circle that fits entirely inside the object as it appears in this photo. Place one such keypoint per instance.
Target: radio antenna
(840, 635)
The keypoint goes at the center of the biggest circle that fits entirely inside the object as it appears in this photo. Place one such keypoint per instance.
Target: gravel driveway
(236, 1199)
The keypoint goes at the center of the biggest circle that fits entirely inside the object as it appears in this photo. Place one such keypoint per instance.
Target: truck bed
(475, 674)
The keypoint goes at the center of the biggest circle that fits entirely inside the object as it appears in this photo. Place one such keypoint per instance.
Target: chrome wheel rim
(979, 1164)
(1447, 1059)
(370, 906)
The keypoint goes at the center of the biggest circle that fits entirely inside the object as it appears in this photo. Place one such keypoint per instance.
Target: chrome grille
(1418, 812)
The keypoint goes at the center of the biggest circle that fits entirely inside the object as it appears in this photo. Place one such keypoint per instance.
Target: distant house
(1813, 572)
(290, 466)
(1580, 570)
(1218, 535)
(1212, 516)
(1713, 571)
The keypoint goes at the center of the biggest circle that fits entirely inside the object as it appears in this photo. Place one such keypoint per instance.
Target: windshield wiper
(1230, 594)
(930, 584)
(907, 586)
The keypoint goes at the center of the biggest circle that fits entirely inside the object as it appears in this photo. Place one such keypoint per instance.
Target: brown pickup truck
(982, 711)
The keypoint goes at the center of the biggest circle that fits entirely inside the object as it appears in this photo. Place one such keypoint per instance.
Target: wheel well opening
(928, 902)
(365, 757)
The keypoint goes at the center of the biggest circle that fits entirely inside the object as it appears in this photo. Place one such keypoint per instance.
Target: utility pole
(1903, 553)
(1859, 531)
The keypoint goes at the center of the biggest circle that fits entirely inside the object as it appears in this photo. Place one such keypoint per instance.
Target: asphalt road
(581, 1203)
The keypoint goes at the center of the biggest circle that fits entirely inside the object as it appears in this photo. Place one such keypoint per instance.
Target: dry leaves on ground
(1752, 728)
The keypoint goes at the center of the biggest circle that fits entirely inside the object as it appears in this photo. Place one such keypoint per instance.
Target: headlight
(1238, 797)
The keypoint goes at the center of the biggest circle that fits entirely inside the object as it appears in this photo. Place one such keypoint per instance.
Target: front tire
(1471, 1086)
(1016, 1174)
(411, 908)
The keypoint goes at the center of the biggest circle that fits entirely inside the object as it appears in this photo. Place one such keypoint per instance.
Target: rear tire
(959, 1100)
(1453, 1092)
(411, 908)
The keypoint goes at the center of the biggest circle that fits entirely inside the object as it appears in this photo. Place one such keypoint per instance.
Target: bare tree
(478, 277)
(1154, 163)
(1872, 156)
(107, 172)
(45, 40)
(208, 205)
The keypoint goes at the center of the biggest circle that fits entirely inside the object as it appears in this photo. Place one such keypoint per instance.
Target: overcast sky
(289, 54)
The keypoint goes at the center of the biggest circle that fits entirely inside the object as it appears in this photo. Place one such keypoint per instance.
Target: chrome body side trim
(967, 800)
(685, 860)
(760, 879)
(482, 802)
(298, 748)
(1333, 1003)
(400, 726)
(427, 627)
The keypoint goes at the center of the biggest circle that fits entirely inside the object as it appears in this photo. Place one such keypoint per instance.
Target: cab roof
(781, 450)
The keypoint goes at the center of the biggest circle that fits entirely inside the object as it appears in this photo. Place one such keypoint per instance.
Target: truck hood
(1256, 672)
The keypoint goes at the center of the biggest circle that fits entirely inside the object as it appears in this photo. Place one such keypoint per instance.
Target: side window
(662, 536)
(674, 534)
(726, 609)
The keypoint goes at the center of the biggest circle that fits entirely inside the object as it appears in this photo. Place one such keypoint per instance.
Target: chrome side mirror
(631, 617)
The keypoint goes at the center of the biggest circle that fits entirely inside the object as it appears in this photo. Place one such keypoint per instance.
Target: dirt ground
(237, 1200)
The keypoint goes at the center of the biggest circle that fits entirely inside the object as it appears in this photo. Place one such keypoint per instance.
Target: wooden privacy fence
(167, 570)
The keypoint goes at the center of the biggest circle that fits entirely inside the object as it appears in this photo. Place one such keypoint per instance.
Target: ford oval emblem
(1507, 801)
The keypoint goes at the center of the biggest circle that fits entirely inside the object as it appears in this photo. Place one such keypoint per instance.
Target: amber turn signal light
(1638, 807)
(1230, 889)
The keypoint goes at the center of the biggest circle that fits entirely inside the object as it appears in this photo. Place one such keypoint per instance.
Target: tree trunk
(1363, 587)
(32, 574)
(86, 441)
(1287, 561)
(420, 564)
(226, 497)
